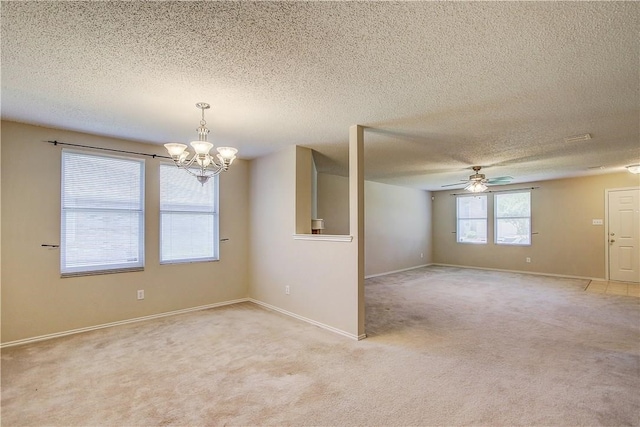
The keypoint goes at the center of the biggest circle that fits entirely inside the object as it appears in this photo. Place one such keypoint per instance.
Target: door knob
(613, 234)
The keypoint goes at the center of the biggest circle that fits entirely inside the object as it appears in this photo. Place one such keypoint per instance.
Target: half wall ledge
(323, 237)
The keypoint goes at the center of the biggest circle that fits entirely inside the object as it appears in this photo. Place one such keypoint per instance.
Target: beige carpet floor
(446, 346)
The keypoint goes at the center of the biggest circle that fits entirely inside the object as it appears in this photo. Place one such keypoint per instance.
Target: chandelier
(202, 165)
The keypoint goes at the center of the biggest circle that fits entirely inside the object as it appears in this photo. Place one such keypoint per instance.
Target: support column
(356, 212)
(303, 190)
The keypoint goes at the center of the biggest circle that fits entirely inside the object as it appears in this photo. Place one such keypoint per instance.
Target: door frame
(606, 226)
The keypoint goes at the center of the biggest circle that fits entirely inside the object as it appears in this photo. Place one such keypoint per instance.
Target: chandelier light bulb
(175, 150)
(202, 147)
(227, 153)
(204, 161)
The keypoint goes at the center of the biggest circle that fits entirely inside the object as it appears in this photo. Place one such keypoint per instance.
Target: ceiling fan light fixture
(477, 183)
(634, 168)
(476, 187)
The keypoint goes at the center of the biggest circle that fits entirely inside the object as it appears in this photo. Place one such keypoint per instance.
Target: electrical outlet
(287, 290)
(141, 294)
(528, 259)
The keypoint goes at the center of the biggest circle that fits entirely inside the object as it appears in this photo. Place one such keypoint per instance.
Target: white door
(624, 235)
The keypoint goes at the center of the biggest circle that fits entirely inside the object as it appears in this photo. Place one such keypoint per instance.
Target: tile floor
(614, 288)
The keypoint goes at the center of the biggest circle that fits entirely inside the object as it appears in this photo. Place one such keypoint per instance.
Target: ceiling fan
(477, 183)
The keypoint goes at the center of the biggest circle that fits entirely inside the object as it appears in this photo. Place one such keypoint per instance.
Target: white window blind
(471, 213)
(513, 218)
(188, 217)
(102, 227)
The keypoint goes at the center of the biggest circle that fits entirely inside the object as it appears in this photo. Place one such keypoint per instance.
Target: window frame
(496, 218)
(104, 267)
(215, 214)
(459, 219)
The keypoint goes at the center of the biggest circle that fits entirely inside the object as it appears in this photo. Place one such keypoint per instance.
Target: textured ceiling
(440, 86)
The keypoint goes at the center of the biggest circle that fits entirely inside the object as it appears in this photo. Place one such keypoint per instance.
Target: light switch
(597, 222)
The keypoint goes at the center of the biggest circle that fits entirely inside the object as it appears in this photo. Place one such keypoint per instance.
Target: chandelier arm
(185, 167)
(202, 172)
(186, 163)
(214, 171)
(211, 170)
(213, 161)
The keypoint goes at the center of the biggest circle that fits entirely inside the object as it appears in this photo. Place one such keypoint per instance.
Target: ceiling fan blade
(500, 179)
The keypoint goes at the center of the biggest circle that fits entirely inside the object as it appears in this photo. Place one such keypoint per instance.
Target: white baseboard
(567, 276)
(305, 319)
(396, 271)
(173, 313)
(268, 306)
(118, 323)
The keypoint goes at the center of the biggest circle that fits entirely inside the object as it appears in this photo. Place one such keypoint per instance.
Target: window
(472, 219)
(102, 215)
(513, 218)
(188, 217)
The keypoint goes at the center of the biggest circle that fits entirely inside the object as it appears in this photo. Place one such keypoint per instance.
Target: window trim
(100, 268)
(215, 181)
(496, 218)
(485, 218)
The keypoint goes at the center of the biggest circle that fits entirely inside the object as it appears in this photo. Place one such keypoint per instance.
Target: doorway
(623, 234)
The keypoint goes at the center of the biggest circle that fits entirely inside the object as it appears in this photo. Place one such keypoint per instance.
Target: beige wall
(36, 301)
(261, 202)
(397, 228)
(333, 203)
(397, 222)
(0, 228)
(304, 190)
(321, 275)
(562, 212)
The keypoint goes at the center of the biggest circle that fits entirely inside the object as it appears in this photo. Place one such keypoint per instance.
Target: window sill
(323, 237)
(189, 261)
(100, 272)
